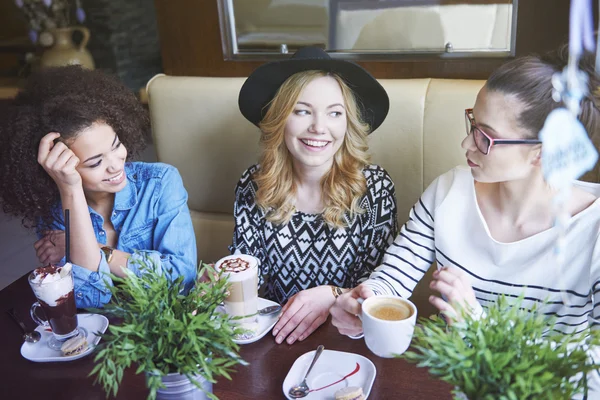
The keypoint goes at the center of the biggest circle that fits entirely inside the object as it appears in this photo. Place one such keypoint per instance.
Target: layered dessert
(350, 393)
(53, 287)
(242, 273)
(74, 346)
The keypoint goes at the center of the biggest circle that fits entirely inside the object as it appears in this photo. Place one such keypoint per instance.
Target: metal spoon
(31, 337)
(265, 311)
(269, 310)
(302, 389)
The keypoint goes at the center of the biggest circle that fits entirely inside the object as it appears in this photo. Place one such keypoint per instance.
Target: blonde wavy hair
(342, 187)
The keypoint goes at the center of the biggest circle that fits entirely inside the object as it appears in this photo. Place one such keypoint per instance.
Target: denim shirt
(152, 219)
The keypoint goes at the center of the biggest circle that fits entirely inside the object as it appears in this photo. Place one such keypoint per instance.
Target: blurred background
(136, 39)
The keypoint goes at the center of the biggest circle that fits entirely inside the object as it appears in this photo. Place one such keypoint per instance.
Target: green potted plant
(507, 354)
(179, 340)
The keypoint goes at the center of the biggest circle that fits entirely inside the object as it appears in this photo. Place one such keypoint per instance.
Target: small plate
(265, 322)
(331, 367)
(40, 352)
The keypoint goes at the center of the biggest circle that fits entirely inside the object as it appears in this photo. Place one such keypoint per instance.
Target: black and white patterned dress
(306, 252)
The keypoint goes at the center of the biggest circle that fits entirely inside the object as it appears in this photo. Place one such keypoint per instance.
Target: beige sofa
(198, 128)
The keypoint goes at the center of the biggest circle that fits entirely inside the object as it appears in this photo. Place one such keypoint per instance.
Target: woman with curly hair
(66, 140)
(314, 212)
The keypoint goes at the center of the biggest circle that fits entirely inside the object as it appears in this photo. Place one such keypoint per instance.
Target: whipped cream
(238, 267)
(51, 283)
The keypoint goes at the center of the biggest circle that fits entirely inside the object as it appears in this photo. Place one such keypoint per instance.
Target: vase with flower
(51, 25)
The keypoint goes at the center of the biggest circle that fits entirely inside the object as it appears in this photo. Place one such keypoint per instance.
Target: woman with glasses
(489, 227)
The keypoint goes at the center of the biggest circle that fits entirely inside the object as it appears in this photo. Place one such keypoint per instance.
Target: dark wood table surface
(262, 379)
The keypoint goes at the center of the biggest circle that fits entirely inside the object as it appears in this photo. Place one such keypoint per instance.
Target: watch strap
(337, 291)
(108, 252)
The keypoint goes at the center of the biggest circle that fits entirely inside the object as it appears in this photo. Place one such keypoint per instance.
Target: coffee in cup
(242, 301)
(391, 311)
(53, 288)
(388, 324)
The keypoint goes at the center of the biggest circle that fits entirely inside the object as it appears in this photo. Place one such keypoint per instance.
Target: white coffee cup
(388, 324)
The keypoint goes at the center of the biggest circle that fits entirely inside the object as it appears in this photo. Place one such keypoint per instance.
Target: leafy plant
(508, 353)
(166, 331)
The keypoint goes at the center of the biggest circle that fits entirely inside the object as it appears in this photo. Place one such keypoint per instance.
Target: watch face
(336, 291)
(108, 252)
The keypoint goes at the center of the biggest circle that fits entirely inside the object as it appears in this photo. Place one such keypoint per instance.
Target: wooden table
(262, 379)
(9, 87)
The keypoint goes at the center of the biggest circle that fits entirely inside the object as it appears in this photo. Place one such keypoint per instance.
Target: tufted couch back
(198, 128)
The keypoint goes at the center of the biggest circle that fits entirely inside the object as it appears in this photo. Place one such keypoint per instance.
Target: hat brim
(262, 85)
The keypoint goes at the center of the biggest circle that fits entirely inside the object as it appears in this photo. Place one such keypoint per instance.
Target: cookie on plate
(350, 393)
(74, 346)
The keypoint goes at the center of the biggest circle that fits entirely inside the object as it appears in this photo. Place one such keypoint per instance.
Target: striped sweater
(446, 226)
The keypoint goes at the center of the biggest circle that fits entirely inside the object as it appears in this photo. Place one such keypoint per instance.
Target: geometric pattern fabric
(306, 252)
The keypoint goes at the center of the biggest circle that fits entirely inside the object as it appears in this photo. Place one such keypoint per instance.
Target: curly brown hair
(66, 100)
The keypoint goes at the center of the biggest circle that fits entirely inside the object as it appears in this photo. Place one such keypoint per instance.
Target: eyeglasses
(483, 141)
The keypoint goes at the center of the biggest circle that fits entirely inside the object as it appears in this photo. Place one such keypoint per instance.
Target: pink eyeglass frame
(470, 123)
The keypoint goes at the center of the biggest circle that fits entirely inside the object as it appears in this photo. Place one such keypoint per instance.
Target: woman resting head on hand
(66, 140)
(314, 212)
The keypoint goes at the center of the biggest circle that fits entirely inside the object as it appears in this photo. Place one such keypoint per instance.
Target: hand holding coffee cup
(347, 308)
(388, 324)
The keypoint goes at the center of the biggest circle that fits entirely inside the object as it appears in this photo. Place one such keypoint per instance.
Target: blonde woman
(315, 213)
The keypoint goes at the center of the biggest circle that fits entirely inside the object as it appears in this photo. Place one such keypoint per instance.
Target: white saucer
(40, 352)
(330, 367)
(265, 322)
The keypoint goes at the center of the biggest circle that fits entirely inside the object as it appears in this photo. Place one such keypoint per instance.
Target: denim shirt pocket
(139, 237)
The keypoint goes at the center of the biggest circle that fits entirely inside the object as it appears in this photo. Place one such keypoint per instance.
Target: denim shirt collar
(128, 197)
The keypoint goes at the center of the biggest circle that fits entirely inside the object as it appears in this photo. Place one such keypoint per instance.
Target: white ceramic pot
(179, 387)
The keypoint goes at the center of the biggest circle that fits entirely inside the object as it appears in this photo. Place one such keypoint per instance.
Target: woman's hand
(454, 284)
(346, 309)
(58, 161)
(50, 249)
(303, 313)
(209, 274)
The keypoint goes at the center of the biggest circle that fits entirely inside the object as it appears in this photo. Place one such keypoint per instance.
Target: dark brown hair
(66, 100)
(529, 79)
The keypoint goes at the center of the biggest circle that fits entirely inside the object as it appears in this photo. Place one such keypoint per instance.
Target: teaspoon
(31, 337)
(269, 310)
(302, 389)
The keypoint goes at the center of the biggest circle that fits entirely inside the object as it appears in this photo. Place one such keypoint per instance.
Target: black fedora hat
(262, 85)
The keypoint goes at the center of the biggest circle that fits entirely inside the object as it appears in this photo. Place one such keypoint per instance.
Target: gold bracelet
(336, 291)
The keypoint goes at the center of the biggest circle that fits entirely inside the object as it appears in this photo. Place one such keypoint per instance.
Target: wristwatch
(336, 291)
(108, 252)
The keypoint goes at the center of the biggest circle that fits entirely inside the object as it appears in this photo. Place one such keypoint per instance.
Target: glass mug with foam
(388, 324)
(242, 302)
(53, 288)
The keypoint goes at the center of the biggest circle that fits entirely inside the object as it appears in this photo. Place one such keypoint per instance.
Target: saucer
(347, 369)
(40, 352)
(265, 322)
